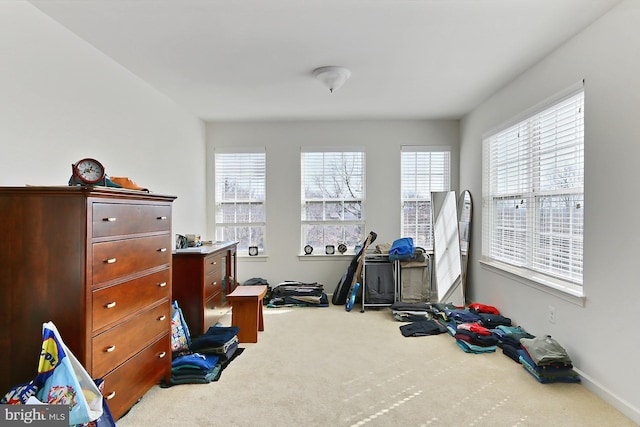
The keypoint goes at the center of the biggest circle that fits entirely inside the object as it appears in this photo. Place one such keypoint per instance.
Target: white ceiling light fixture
(332, 77)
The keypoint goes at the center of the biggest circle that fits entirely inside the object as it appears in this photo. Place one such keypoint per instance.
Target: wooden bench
(246, 311)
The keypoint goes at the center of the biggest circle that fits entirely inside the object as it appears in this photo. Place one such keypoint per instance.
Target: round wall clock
(308, 249)
(88, 171)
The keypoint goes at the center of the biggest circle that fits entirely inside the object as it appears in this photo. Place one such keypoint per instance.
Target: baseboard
(611, 398)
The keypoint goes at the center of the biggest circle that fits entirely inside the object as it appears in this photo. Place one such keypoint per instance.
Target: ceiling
(228, 60)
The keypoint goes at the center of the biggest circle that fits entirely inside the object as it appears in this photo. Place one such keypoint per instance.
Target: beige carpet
(327, 367)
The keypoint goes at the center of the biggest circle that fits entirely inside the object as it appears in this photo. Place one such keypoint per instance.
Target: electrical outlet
(551, 314)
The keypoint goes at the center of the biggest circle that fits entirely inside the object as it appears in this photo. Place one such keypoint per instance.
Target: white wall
(599, 336)
(62, 100)
(283, 140)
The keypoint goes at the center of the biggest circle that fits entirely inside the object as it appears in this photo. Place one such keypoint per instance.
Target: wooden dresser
(202, 277)
(97, 262)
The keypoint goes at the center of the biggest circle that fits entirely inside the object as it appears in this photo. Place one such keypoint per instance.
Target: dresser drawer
(122, 257)
(212, 284)
(215, 302)
(212, 291)
(124, 386)
(212, 263)
(111, 348)
(116, 302)
(114, 219)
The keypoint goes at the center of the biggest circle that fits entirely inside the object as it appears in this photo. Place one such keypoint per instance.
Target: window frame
(357, 224)
(425, 200)
(529, 195)
(240, 170)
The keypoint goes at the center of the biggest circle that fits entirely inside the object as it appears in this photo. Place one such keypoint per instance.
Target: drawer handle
(162, 250)
(110, 261)
(110, 305)
(214, 283)
(161, 218)
(162, 354)
(110, 219)
(110, 395)
(110, 349)
(161, 318)
(163, 284)
(214, 262)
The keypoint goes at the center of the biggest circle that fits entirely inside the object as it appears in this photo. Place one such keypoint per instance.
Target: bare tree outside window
(332, 198)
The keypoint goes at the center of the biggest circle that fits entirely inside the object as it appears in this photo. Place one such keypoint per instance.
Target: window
(333, 191)
(240, 197)
(423, 170)
(533, 190)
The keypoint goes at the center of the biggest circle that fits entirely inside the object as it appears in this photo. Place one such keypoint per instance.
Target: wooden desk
(246, 311)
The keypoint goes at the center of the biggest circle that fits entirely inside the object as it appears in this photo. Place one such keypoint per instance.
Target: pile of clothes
(292, 293)
(206, 357)
(411, 311)
(194, 368)
(480, 328)
(472, 327)
(509, 340)
(546, 360)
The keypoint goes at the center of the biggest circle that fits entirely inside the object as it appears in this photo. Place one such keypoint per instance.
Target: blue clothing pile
(218, 340)
(194, 368)
(208, 355)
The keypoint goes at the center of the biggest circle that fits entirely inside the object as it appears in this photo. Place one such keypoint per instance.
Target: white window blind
(533, 191)
(423, 170)
(332, 197)
(240, 195)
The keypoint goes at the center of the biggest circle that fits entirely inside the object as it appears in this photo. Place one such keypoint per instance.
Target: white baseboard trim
(608, 396)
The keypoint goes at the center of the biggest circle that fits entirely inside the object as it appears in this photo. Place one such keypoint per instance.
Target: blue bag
(402, 249)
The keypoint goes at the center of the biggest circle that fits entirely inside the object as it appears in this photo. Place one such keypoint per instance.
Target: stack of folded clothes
(194, 368)
(221, 341)
(490, 317)
(461, 315)
(509, 340)
(474, 338)
(292, 293)
(546, 360)
(438, 311)
(411, 311)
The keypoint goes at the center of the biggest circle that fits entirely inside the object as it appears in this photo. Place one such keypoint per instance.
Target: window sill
(556, 287)
(325, 257)
(257, 258)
